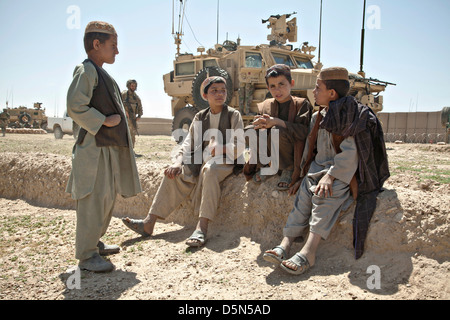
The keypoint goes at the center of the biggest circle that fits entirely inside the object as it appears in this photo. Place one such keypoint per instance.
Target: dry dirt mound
(406, 219)
(410, 226)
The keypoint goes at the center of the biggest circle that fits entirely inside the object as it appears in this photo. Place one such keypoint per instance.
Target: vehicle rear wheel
(24, 118)
(182, 120)
(201, 76)
(58, 133)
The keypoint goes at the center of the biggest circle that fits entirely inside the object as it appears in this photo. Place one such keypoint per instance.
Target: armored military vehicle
(23, 117)
(244, 67)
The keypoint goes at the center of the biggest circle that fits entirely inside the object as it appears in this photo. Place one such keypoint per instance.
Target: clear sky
(407, 43)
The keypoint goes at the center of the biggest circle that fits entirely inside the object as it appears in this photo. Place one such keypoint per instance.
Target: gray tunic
(85, 157)
(317, 212)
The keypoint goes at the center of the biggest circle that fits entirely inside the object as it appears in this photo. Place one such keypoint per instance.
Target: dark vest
(103, 100)
(224, 124)
(298, 106)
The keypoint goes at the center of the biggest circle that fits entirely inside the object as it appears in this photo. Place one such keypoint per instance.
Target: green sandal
(262, 178)
(301, 263)
(286, 177)
(275, 258)
(199, 237)
(136, 225)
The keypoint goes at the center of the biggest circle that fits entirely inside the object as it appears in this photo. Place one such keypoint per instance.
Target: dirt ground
(406, 256)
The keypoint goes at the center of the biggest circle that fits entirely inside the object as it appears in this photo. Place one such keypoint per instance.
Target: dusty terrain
(408, 241)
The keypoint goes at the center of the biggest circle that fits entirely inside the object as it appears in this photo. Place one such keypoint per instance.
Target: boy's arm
(79, 96)
(299, 129)
(235, 149)
(344, 168)
(346, 162)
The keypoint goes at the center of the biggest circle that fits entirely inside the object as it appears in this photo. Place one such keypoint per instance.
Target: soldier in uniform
(133, 107)
(4, 120)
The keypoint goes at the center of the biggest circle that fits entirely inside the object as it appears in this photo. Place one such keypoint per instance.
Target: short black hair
(341, 87)
(91, 36)
(278, 70)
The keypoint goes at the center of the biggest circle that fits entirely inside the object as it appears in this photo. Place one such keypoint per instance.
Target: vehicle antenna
(320, 30)
(173, 13)
(177, 35)
(361, 72)
(217, 41)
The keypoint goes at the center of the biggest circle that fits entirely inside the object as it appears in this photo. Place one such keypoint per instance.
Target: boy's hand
(173, 171)
(266, 122)
(259, 122)
(112, 120)
(324, 188)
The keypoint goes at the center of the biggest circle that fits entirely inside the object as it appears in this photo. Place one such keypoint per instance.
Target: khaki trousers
(204, 191)
(94, 211)
(319, 213)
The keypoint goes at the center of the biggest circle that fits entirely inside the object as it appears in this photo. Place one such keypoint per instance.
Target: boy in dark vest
(207, 156)
(288, 114)
(103, 162)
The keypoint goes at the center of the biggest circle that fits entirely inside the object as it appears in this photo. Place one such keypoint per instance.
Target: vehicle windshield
(283, 59)
(209, 63)
(303, 63)
(253, 60)
(184, 69)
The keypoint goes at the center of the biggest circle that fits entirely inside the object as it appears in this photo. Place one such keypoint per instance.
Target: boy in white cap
(325, 187)
(200, 166)
(103, 162)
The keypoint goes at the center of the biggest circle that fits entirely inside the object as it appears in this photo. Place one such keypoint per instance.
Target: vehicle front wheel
(199, 102)
(182, 120)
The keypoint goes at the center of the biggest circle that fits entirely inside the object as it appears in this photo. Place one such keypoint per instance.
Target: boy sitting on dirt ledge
(291, 117)
(201, 175)
(348, 142)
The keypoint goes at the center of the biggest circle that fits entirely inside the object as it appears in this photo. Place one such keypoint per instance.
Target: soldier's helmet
(129, 82)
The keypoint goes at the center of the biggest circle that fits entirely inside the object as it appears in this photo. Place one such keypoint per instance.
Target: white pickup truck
(62, 126)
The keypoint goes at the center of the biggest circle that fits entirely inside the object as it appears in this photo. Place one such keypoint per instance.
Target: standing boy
(288, 114)
(205, 160)
(103, 162)
(349, 138)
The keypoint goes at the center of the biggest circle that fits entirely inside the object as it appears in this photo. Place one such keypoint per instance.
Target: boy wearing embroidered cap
(103, 162)
(325, 187)
(206, 157)
(345, 138)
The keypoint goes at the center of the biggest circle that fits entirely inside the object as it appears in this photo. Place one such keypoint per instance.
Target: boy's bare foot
(139, 226)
